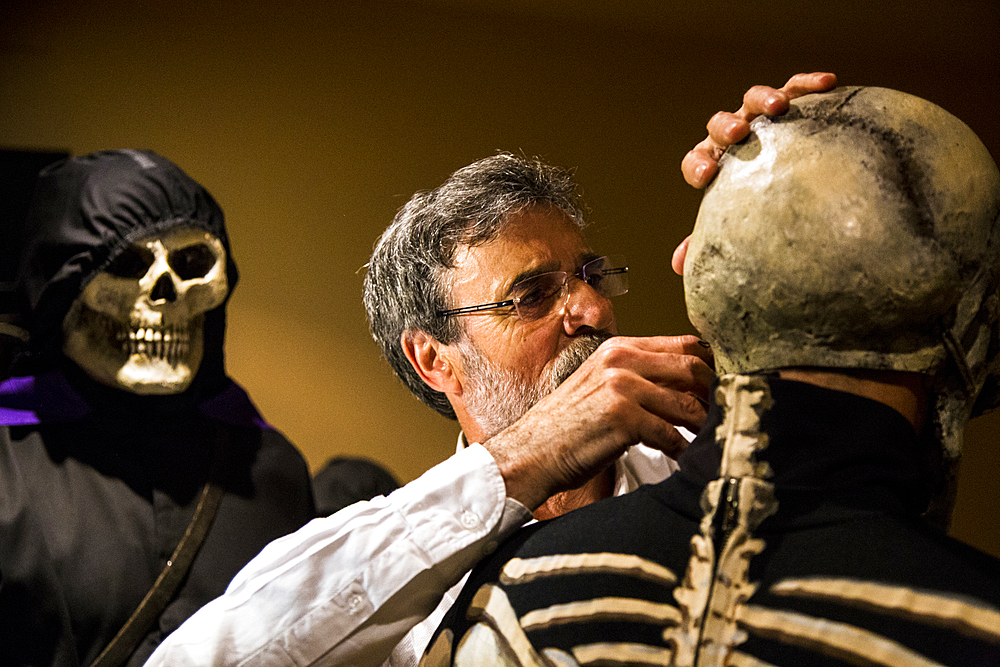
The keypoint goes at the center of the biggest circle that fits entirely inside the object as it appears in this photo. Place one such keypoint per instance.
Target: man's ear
(432, 360)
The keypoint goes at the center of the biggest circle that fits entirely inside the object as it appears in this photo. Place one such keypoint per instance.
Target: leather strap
(137, 626)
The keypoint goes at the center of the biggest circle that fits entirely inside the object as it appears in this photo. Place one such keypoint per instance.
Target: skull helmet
(860, 230)
(139, 323)
(126, 267)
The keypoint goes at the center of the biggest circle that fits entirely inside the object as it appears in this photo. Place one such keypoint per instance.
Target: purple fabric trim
(42, 398)
(233, 406)
(48, 398)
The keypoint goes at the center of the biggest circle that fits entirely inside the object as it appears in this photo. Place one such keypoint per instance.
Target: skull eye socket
(133, 262)
(194, 261)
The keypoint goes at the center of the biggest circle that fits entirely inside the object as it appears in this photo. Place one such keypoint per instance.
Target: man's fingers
(657, 427)
(700, 164)
(668, 440)
(767, 100)
(680, 253)
(675, 386)
(813, 82)
(683, 364)
(686, 344)
(677, 408)
(762, 100)
(724, 129)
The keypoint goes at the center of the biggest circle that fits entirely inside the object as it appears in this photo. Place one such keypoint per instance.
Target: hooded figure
(120, 413)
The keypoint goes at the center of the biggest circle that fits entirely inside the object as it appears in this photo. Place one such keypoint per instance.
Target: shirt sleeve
(344, 589)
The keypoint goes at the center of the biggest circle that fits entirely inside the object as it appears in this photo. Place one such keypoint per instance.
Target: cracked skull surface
(139, 324)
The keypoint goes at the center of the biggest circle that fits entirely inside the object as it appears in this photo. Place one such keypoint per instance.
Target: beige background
(312, 122)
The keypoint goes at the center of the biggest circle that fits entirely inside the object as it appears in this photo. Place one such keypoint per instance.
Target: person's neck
(903, 392)
(600, 487)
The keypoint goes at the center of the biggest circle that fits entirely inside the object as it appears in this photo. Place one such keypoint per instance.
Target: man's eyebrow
(549, 267)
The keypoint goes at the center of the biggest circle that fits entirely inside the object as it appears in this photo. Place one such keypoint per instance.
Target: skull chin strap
(958, 386)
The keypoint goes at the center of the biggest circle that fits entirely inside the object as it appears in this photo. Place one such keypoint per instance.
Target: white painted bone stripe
(970, 617)
(523, 570)
(602, 609)
(831, 637)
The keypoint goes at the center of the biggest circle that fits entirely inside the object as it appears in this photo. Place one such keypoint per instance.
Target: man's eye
(538, 289)
(532, 297)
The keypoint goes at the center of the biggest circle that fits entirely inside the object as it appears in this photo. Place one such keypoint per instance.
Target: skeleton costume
(859, 232)
(99, 478)
(808, 549)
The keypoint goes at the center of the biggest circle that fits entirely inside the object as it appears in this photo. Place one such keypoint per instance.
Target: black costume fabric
(97, 484)
(807, 550)
(345, 480)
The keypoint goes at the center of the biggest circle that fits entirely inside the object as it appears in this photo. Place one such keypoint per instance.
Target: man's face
(504, 358)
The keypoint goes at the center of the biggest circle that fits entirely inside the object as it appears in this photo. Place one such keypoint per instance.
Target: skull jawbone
(146, 376)
(96, 343)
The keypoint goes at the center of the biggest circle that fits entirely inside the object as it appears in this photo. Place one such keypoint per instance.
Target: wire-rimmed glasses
(533, 298)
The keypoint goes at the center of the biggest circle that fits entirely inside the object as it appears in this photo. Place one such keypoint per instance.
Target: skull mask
(139, 324)
(861, 230)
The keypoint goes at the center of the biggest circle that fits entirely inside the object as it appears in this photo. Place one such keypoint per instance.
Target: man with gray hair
(496, 253)
(494, 310)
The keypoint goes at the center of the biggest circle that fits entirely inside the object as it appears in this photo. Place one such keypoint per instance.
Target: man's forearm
(312, 597)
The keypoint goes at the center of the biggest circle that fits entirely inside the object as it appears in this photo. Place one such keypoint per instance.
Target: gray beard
(497, 397)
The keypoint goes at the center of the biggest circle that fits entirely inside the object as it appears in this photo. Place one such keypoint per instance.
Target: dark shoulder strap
(118, 651)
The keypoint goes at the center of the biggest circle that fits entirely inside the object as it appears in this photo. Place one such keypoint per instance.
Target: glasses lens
(535, 296)
(607, 275)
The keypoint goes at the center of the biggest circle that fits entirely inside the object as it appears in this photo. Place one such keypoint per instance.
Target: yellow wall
(312, 122)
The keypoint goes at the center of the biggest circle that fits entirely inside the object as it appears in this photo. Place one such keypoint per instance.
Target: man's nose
(586, 307)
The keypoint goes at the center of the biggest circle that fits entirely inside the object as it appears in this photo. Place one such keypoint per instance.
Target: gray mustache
(574, 355)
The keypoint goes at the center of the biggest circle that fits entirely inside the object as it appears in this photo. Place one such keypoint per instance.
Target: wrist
(526, 479)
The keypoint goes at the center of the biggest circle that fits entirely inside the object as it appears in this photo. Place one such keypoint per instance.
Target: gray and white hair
(406, 282)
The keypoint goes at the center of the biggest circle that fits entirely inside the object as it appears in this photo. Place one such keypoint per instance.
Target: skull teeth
(170, 344)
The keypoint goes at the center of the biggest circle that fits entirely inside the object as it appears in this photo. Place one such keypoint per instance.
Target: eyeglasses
(533, 298)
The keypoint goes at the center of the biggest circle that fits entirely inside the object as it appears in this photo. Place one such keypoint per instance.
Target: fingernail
(699, 171)
(703, 343)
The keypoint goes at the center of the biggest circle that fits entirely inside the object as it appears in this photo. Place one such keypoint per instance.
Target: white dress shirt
(368, 585)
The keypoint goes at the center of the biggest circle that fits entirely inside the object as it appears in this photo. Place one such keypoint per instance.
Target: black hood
(85, 211)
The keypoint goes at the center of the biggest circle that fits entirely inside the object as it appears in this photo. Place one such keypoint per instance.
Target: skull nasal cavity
(164, 289)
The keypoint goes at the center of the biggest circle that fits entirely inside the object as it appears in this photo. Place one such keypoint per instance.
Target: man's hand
(630, 390)
(724, 128)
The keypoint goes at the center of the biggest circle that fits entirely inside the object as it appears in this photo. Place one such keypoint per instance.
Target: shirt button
(354, 604)
(469, 520)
